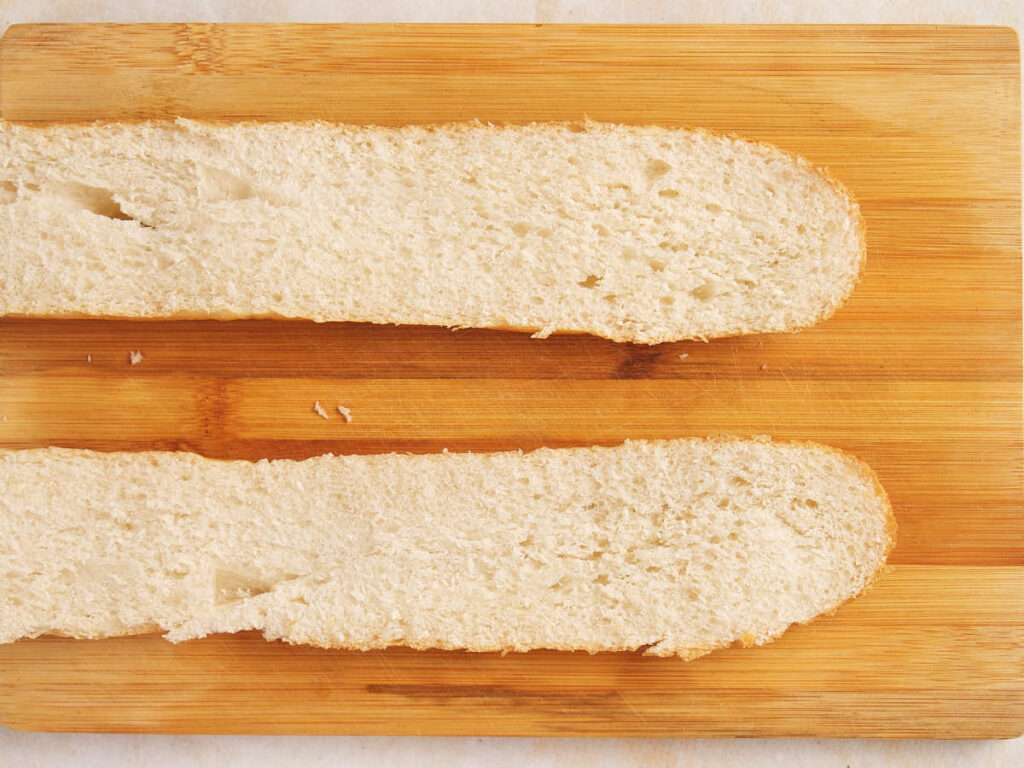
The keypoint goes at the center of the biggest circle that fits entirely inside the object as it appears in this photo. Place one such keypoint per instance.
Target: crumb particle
(319, 410)
(764, 366)
(88, 358)
(346, 413)
(135, 357)
(4, 417)
(684, 355)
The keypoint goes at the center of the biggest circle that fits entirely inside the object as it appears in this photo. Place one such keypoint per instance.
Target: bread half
(676, 547)
(641, 234)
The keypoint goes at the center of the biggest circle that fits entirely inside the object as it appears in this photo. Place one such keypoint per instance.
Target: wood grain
(920, 374)
(909, 643)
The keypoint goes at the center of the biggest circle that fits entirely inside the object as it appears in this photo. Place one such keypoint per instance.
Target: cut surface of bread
(642, 234)
(677, 547)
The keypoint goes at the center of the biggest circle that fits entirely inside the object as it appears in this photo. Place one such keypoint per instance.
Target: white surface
(24, 750)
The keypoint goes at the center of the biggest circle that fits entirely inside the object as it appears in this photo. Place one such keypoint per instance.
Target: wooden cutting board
(920, 374)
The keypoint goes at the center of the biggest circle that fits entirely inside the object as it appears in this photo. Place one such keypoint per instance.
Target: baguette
(640, 234)
(676, 547)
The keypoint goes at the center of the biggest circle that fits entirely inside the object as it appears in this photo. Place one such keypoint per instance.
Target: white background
(25, 750)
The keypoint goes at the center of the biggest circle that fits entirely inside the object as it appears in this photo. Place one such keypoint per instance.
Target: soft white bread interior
(641, 234)
(676, 546)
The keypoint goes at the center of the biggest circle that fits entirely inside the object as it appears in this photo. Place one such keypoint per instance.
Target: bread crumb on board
(134, 357)
(4, 417)
(764, 366)
(88, 358)
(684, 355)
(319, 410)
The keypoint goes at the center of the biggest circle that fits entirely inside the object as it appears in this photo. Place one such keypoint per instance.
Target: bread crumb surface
(467, 532)
(134, 357)
(346, 413)
(663, 287)
(319, 410)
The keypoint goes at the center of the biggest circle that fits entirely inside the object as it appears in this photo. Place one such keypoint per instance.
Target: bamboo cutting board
(919, 374)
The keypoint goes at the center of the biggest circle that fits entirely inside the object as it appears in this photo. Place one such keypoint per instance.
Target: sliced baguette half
(677, 547)
(641, 234)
